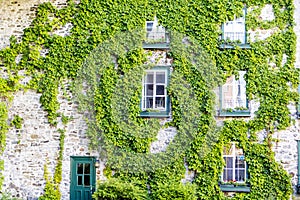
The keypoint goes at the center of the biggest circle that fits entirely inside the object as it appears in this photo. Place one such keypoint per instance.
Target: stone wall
(37, 143)
(17, 15)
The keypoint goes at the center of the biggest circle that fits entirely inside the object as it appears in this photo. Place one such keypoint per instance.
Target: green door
(82, 178)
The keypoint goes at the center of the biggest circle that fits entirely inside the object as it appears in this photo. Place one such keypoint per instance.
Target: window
(298, 105)
(235, 170)
(235, 31)
(155, 101)
(233, 100)
(156, 35)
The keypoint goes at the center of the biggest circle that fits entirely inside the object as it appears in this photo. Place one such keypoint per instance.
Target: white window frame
(237, 89)
(236, 156)
(157, 33)
(235, 30)
(144, 95)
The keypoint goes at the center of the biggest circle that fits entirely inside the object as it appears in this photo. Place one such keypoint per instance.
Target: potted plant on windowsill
(232, 183)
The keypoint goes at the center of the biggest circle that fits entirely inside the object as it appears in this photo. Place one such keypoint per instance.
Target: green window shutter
(245, 14)
(298, 105)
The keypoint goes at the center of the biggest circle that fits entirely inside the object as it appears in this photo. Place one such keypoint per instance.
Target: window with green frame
(234, 32)
(298, 105)
(234, 176)
(155, 100)
(156, 36)
(232, 95)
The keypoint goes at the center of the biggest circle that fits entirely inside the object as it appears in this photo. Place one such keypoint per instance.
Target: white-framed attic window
(155, 33)
(235, 30)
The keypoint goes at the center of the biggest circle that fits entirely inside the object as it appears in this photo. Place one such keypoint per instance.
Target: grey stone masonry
(36, 143)
(17, 15)
(28, 149)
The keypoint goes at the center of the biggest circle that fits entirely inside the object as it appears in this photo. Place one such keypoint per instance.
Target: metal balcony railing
(235, 36)
(153, 37)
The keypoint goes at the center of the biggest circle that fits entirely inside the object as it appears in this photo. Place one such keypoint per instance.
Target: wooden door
(83, 178)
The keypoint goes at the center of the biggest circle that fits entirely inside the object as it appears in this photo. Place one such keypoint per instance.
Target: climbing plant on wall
(94, 22)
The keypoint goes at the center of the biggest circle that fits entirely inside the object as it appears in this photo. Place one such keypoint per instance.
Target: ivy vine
(94, 22)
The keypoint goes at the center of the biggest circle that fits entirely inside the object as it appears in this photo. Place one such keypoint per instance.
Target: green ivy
(95, 22)
(17, 122)
(51, 190)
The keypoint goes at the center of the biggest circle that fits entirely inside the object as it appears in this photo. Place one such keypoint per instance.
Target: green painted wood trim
(160, 114)
(245, 45)
(298, 104)
(245, 113)
(156, 46)
(237, 113)
(84, 159)
(234, 188)
(298, 151)
(231, 46)
(245, 10)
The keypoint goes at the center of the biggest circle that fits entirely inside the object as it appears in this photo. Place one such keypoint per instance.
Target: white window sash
(154, 95)
(158, 33)
(234, 92)
(235, 30)
(234, 168)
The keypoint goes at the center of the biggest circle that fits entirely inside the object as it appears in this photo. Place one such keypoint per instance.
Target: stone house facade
(37, 142)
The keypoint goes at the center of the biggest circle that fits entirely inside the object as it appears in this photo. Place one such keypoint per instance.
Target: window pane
(86, 180)
(239, 163)
(149, 90)
(234, 92)
(229, 162)
(149, 26)
(79, 180)
(149, 77)
(160, 102)
(149, 102)
(79, 168)
(87, 168)
(240, 174)
(228, 175)
(160, 77)
(160, 90)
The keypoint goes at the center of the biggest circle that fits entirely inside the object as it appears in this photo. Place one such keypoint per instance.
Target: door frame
(76, 159)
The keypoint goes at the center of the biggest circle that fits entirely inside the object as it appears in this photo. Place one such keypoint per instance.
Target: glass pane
(229, 162)
(79, 168)
(234, 92)
(149, 102)
(87, 168)
(149, 90)
(149, 77)
(79, 180)
(241, 94)
(160, 90)
(160, 77)
(240, 175)
(160, 102)
(239, 163)
(228, 175)
(86, 180)
(149, 26)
